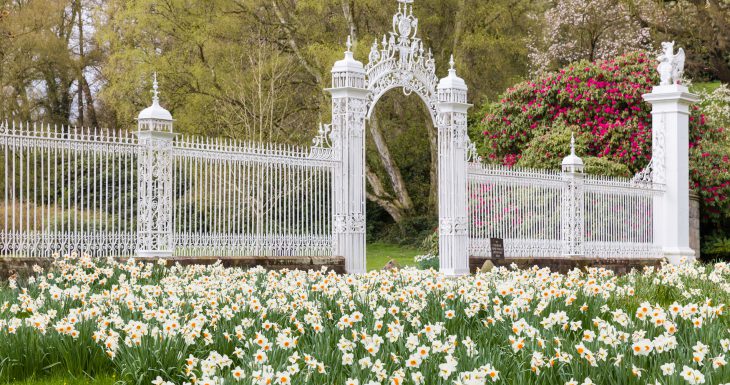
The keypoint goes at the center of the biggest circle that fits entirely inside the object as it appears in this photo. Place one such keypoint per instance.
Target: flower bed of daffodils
(151, 324)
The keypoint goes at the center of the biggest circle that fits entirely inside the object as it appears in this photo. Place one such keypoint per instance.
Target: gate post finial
(154, 173)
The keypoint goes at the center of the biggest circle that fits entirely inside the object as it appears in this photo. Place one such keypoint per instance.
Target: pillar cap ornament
(671, 65)
(155, 111)
(452, 92)
(670, 94)
(348, 63)
(572, 163)
(452, 81)
(155, 119)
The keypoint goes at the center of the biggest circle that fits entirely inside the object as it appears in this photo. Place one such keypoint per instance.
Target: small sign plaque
(497, 247)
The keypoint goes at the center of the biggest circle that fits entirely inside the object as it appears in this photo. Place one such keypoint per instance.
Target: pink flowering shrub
(602, 102)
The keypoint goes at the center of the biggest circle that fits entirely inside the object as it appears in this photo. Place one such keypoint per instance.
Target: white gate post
(572, 217)
(452, 153)
(154, 173)
(670, 157)
(349, 107)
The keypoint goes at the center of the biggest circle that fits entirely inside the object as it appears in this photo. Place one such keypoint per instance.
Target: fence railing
(67, 188)
(251, 199)
(75, 189)
(542, 213)
(618, 218)
(520, 206)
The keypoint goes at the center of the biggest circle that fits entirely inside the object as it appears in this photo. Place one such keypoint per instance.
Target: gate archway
(399, 61)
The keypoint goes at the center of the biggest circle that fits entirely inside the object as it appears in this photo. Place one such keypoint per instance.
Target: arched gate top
(400, 61)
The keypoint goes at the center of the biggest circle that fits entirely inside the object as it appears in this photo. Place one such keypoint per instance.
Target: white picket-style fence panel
(520, 206)
(619, 218)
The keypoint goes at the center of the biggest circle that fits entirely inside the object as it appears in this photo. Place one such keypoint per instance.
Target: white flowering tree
(585, 29)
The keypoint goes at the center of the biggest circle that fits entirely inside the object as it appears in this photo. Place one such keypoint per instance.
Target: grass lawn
(707, 86)
(64, 380)
(378, 254)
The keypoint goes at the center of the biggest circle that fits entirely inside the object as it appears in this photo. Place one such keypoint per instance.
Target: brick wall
(23, 266)
(565, 264)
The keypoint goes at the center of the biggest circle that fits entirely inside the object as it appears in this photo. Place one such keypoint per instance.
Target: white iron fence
(72, 189)
(68, 189)
(540, 213)
(520, 206)
(618, 218)
(251, 199)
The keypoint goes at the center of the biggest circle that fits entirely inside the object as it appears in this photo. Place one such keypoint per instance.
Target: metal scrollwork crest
(401, 61)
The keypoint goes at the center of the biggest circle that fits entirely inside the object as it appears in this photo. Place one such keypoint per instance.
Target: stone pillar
(694, 223)
(349, 108)
(572, 215)
(154, 174)
(452, 153)
(670, 168)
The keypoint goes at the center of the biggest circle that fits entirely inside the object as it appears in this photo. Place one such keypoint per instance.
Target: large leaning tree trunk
(398, 203)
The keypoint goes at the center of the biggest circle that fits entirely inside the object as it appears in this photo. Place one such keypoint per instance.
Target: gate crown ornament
(403, 41)
(401, 61)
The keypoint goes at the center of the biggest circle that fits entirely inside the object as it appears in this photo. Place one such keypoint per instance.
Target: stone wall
(694, 223)
(24, 266)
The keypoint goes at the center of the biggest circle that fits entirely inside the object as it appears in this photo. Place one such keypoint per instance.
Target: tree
(577, 30)
(256, 69)
(702, 27)
(45, 57)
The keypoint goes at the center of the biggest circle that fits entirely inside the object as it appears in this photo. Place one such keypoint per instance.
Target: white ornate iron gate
(154, 194)
(400, 61)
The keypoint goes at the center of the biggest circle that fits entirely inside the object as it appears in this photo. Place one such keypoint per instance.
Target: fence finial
(572, 143)
(572, 163)
(155, 91)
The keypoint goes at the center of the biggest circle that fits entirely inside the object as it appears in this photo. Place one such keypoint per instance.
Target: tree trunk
(90, 109)
(381, 197)
(349, 13)
(289, 33)
(80, 80)
(396, 179)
